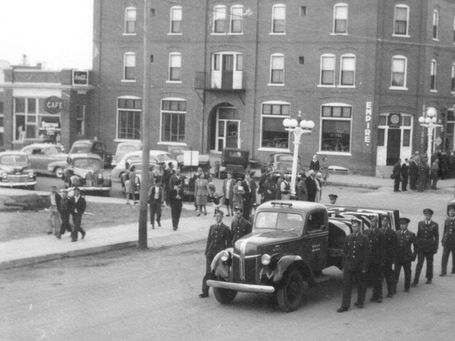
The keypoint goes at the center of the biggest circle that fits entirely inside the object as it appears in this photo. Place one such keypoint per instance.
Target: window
(336, 128)
(277, 69)
(237, 19)
(176, 20)
(175, 67)
(347, 76)
(399, 66)
(173, 112)
(327, 70)
(274, 134)
(130, 20)
(129, 118)
(401, 20)
(435, 24)
(219, 19)
(129, 66)
(452, 88)
(433, 74)
(80, 119)
(340, 19)
(279, 19)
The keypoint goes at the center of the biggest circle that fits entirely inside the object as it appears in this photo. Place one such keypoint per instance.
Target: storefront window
(173, 114)
(336, 129)
(273, 133)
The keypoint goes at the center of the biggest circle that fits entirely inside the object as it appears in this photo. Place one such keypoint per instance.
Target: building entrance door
(393, 146)
(228, 134)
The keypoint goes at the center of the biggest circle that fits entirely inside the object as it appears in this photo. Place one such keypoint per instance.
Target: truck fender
(220, 268)
(286, 262)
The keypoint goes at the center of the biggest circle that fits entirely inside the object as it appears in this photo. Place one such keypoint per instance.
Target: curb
(347, 184)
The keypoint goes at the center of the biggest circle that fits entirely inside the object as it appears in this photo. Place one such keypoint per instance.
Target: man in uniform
(333, 199)
(448, 240)
(355, 265)
(65, 211)
(427, 245)
(78, 206)
(376, 241)
(390, 250)
(405, 255)
(219, 238)
(239, 226)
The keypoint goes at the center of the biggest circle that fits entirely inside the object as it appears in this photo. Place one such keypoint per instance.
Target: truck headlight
(265, 259)
(225, 256)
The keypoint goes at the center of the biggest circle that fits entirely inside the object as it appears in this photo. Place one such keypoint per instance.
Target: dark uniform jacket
(448, 239)
(390, 246)
(376, 241)
(427, 237)
(78, 207)
(219, 239)
(239, 228)
(404, 171)
(405, 241)
(356, 252)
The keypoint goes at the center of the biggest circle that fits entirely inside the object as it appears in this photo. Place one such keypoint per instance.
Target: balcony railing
(207, 81)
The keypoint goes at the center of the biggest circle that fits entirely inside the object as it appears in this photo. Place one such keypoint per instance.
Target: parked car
(86, 171)
(15, 170)
(42, 154)
(92, 146)
(123, 148)
(138, 169)
(234, 160)
(291, 243)
(281, 162)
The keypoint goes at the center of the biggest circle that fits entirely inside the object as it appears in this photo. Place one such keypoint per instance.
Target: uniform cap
(404, 220)
(333, 196)
(238, 208)
(428, 211)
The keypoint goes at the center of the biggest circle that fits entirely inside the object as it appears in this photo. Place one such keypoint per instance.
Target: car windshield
(93, 164)
(13, 160)
(283, 221)
(80, 148)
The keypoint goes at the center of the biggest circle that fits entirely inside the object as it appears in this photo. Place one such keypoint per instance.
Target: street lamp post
(298, 127)
(429, 121)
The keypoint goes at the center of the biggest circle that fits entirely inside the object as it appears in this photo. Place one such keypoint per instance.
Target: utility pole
(145, 132)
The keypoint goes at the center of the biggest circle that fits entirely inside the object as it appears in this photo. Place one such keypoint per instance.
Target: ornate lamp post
(429, 121)
(298, 127)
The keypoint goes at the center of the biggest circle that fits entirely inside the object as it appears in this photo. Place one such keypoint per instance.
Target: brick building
(226, 73)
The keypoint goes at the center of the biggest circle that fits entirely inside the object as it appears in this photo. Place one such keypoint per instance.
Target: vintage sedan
(123, 148)
(281, 163)
(86, 172)
(41, 155)
(15, 170)
(92, 146)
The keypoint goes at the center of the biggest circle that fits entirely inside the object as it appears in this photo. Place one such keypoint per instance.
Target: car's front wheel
(224, 296)
(58, 172)
(290, 294)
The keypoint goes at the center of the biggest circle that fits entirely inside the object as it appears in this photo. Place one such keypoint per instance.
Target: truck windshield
(282, 221)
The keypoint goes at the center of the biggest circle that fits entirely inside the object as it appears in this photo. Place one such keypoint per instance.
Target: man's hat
(404, 220)
(333, 196)
(428, 211)
(238, 208)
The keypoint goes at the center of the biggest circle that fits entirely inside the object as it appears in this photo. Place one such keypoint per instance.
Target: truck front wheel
(290, 294)
(224, 296)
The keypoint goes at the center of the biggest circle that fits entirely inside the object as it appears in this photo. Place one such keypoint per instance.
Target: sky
(57, 33)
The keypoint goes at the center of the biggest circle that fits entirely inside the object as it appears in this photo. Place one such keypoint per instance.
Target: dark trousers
(77, 220)
(396, 184)
(208, 274)
(375, 275)
(247, 206)
(176, 210)
(66, 226)
(407, 273)
(413, 182)
(404, 184)
(348, 278)
(421, 256)
(389, 276)
(155, 210)
(445, 259)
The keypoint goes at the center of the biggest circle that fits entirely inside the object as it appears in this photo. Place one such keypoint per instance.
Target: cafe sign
(53, 105)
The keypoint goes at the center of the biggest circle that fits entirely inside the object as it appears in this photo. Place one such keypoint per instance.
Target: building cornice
(24, 85)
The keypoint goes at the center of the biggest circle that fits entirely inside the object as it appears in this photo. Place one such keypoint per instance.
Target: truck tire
(290, 293)
(224, 296)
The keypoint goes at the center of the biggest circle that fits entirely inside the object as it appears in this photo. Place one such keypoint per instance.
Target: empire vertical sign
(368, 110)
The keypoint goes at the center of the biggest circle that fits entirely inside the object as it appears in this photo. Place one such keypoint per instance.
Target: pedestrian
(250, 194)
(318, 187)
(404, 173)
(202, 194)
(285, 188)
(239, 192)
(396, 175)
(314, 164)
(155, 200)
(448, 240)
(279, 180)
(427, 241)
(333, 199)
(355, 265)
(167, 174)
(413, 173)
(228, 193)
(376, 241)
(78, 205)
(422, 174)
(434, 173)
(390, 250)
(239, 225)
(54, 209)
(301, 190)
(268, 189)
(176, 197)
(311, 185)
(324, 169)
(131, 185)
(406, 253)
(192, 183)
(219, 238)
(65, 212)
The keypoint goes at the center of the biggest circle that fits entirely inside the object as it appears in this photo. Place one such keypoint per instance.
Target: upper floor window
(130, 20)
(277, 69)
(399, 69)
(279, 18)
(401, 20)
(129, 66)
(175, 67)
(219, 19)
(452, 87)
(435, 24)
(347, 75)
(176, 20)
(340, 19)
(237, 19)
(433, 75)
(327, 69)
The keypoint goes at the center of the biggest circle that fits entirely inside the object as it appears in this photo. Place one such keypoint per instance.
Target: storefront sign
(80, 77)
(49, 126)
(368, 112)
(53, 105)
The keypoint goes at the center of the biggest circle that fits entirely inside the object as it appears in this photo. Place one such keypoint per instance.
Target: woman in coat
(239, 193)
(202, 193)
